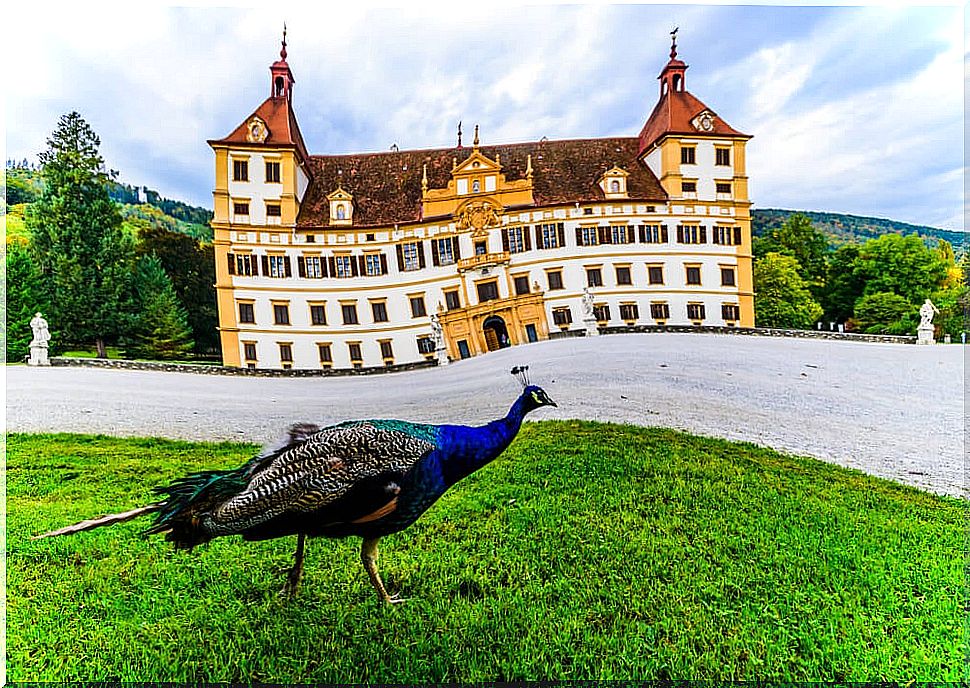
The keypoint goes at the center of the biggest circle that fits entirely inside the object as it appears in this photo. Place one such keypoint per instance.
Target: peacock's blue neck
(466, 449)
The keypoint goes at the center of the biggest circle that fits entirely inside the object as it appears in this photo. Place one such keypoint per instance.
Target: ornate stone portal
(39, 344)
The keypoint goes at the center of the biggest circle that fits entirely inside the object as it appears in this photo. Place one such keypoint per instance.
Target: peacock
(364, 478)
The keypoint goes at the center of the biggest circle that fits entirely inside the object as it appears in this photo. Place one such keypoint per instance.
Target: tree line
(874, 287)
(102, 273)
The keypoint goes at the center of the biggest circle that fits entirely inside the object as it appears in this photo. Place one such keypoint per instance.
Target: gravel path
(892, 410)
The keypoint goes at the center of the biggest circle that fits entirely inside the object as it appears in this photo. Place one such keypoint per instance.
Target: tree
(901, 265)
(797, 237)
(782, 298)
(162, 329)
(76, 236)
(25, 296)
(843, 287)
(884, 313)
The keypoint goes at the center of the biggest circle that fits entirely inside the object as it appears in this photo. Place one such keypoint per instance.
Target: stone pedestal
(924, 335)
(592, 328)
(38, 356)
(442, 354)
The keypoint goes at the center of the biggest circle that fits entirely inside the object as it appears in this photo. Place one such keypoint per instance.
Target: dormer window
(613, 183)
(341, 207)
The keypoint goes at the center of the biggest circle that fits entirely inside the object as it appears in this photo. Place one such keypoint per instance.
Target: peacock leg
(296, 573)
(368, 555)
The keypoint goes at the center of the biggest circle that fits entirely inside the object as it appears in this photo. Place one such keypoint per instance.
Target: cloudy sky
(855, 110)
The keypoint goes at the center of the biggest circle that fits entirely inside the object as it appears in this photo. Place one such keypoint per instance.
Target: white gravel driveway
(893, 410)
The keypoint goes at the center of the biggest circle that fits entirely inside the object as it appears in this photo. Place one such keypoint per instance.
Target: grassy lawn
(588, 551)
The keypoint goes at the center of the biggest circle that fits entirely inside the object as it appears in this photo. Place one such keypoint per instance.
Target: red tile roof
(387, 186)
(280, 122)
(673, 114)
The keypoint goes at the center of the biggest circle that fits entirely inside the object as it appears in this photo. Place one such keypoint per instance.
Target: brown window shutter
(421, 254)
(400, 258)
(629, 234)
(642, 233)
(579, 236)
(301, 266)
(680, 234)
(703, 234)
(333, 266)
(232, 263)
(528, 238)
(323, 267)
(561, 232)
(505, 238)
(265, 262)
(605, 235)
(253, 265)
(456, 247)
(289, 267)
(737, 236)
(362, 265)
(383, 264)
(435, 258)
(663, 233)
(538, 230)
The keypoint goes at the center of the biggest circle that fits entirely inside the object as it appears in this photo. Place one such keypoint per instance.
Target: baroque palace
(380, 259)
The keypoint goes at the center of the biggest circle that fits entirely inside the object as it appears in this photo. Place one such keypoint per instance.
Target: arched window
(476, 186)
(341, 212)
(279, 86)
(615, 186)
(677, 82)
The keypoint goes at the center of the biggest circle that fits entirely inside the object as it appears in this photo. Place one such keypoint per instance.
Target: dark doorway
(496, 334)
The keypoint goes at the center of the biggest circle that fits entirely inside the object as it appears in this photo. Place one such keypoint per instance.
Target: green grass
(586, 552)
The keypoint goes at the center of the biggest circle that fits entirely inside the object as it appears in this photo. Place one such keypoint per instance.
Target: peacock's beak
(550, 402)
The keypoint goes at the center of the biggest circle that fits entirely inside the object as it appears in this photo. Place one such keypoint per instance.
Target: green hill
(842, 229)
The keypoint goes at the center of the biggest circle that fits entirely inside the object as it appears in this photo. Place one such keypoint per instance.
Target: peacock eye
(535, 397)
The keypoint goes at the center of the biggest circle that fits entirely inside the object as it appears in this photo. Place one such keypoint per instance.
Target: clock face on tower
(704, 122)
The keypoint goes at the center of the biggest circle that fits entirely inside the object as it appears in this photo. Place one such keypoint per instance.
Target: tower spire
(283, 50)
(282, 77)
(673, 43)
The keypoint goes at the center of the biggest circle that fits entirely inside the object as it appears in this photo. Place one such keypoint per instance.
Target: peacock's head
(534, 396)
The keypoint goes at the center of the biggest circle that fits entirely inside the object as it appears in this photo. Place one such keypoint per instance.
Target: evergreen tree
(161, 330)
(25, 296)
(76, 235)
(782, 298)
(884, 313)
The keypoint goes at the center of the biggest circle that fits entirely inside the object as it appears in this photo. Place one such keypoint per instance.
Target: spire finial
(673, 43)
(459, 133)
(283, 51)
(475, 142)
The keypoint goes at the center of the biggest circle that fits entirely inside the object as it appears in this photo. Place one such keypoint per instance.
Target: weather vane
(673, 42)
(283, 51)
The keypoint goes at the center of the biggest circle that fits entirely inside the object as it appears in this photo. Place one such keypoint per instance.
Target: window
(687, 155)
(562, 316)
(481, 248)
(594, 277)
(693, 274)
(326, 356)
(723, 188)
(240, 207)
(425, 345)
(691, 234)
(318, 314)
(354, 349)
(601, 312)
(444, 250)
(695, 311)
(246, 313)
(727, 236)
(688, 188)
(587, 236)
(730, 311)
(341, 212)
(310, 266)
(513, 240)
(417, 307)
(343, 266)
(281, 313)
(279, 266)
(550, 235)
(451, 300)
(727, 277)
(623, 275)
(660, 311)
(614, 186)
(249, 351)
(653, 234)
(240, 170)
(621, 234)
(487, 291)
(375, 264)
(555, 279)
(379, 309)
(629, 311)
(273, 210)
(349, 313)
(273, 172)
(722, 156)
(655, 274)
(410, 256)
(387, 351)
(242, 264)
(521, 285)
(286, 353)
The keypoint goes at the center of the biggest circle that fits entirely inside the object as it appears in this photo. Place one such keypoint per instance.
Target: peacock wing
(319, 469)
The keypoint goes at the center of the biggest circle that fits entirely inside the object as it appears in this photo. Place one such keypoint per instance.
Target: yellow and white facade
(340, 262)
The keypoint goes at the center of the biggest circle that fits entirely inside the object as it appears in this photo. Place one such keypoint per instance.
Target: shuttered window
(550, 235)
(629, 311)
(410, 256)
(695, 311)
(660, 311)
(653, 234)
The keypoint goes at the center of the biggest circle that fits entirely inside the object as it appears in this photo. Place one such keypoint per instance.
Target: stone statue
(926, 312)
(39, 344)
(436, 332)
(587, 305)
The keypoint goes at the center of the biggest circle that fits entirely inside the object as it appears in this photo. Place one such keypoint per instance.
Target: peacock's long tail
(108, 520)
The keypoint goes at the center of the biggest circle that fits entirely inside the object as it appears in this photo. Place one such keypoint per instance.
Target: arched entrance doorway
(496, 334)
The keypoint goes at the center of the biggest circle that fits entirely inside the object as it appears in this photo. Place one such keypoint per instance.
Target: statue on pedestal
(438, 337)
(39, 344)
(924, 333)
(589, 315)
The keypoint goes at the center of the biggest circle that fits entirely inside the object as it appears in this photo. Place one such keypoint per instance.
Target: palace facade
(371, 260)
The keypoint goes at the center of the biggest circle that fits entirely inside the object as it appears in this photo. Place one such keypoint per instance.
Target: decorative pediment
(704, 121)
(256, 130)
(341, 206)
(613, 182)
